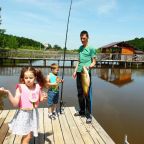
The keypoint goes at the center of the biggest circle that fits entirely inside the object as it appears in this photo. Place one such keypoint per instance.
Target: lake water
(118, 99)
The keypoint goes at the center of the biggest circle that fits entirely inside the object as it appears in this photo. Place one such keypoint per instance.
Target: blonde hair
(54, 66)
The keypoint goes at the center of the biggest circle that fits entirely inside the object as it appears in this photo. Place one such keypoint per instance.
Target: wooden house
(119, 50)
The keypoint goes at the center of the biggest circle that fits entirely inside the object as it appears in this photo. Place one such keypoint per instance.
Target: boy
(53, 92)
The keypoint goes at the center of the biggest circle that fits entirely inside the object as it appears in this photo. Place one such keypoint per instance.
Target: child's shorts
(52, 98)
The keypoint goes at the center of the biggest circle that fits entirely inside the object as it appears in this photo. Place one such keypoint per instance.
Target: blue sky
(45, 20)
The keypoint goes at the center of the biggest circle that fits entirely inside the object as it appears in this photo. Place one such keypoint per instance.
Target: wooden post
(72, 63)
(1, 61)
(113, 64)
(130, 64)
(30, 62)
(14, 62)
(44, 62)
(125, 64)
(137, 65)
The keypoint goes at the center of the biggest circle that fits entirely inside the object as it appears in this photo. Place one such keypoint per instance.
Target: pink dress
(26, 118)
(29, 99)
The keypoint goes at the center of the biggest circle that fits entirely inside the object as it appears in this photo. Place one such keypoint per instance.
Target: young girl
(27, 97)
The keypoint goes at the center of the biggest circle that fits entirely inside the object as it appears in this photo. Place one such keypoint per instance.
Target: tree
(56, 47)
(2, 31)
(138, 43)
(12, 42)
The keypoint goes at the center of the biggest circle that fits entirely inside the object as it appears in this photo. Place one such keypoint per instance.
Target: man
(87, 58)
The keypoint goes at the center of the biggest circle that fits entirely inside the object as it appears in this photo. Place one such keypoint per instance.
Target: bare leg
(55, 107)
(26, 138)
(50, 109)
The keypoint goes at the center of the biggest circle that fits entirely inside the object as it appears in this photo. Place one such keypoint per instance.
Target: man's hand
(74, 75)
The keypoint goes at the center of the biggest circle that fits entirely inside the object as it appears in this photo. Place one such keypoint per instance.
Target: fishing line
(61, 101)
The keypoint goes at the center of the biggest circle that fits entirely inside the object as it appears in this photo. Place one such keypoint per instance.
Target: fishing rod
(61, 101)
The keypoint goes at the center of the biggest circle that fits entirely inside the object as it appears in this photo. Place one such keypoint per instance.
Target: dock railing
(70, 56)
(36, 54)
(120, 57)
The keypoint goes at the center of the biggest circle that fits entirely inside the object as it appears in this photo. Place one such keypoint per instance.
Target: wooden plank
(10, 137)
(86, 136)
(40, 138)
(102, 132)
(0, 111)
(3, 116)
(58, 136)
(68, 138)
(95, 136)
(66, 129)
(49, 139)
(73, 127)
(4, 128)
(17, 139)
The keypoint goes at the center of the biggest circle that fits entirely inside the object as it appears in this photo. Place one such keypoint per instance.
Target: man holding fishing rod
(82, 73)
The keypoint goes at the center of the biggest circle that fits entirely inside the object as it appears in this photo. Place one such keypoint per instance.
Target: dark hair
(84, 33)
(54, 66)
(37, 73)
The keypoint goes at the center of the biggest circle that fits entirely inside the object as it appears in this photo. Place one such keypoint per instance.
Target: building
(120, 51)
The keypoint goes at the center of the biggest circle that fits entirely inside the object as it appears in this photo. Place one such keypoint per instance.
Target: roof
(139, 52)
(116, 44)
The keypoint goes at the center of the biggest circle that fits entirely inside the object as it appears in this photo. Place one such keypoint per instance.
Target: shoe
(89, 120)
(79, 113)
(55, 114)
(51, 116)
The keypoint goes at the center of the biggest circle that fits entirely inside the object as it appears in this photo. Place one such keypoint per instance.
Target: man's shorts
(52, 97)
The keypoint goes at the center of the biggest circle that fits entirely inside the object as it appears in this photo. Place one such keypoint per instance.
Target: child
(27, 97)
(53, 92)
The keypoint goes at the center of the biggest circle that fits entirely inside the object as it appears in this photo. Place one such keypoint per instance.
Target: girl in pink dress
(27, 97)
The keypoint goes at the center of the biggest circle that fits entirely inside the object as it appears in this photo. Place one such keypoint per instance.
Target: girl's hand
(2, 90)
(43, 96)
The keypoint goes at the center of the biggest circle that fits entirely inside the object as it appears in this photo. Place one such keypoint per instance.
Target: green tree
(12, 42)
(138, 43)
(57, 47)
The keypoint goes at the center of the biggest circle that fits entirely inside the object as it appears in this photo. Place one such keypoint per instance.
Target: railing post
(30, 62)
(72, 63)
(44, 62)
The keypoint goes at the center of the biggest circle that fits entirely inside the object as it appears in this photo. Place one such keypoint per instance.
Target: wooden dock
(65, 129)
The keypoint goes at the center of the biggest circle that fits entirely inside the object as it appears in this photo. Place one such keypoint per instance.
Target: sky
(45, 21)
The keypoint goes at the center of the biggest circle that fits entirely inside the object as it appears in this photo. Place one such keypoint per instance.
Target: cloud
(31, 1)
(106, 6)
(55, 10)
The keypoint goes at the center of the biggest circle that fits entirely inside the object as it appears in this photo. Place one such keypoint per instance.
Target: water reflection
(118, 77)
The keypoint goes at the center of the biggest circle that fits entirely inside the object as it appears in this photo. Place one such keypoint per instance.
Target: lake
(118, 99)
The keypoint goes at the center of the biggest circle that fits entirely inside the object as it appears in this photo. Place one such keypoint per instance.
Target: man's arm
(75, 71)
(76, 67)
(93, 63)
